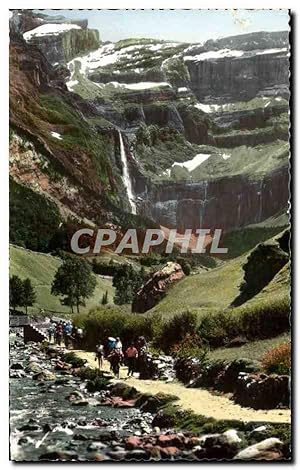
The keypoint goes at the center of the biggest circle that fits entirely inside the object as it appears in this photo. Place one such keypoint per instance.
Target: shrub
(176, 329)
(265, 320)
(278, 360)
(106, 321)
(217, 329)
(255, 321)
(74, 360)
(186, 268)
(190, 346)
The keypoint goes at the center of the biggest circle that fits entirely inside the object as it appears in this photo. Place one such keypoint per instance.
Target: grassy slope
(254, 350)
(41, 268)
(210, 291)
(214, 290)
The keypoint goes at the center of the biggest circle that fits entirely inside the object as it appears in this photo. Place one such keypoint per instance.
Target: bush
(190, 346)
(217, 329)
(176, 329)
(254, 321)
(74, 360)
(265, 320)
(278, 360)
(106, 321)
(186, 268)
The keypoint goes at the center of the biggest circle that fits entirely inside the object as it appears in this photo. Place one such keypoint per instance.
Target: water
(126, 176)
(59, 423)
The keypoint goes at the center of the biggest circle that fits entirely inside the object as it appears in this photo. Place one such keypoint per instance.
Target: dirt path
(200, 401)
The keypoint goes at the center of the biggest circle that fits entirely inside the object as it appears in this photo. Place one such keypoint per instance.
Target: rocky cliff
(204, 126)
(228, 202)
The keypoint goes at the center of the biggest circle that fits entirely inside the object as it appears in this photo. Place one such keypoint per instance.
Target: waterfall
(126, 176)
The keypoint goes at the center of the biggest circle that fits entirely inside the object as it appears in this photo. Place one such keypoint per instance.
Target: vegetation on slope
(40, 269)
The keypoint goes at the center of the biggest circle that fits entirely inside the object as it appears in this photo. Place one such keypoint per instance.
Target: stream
(43, 421)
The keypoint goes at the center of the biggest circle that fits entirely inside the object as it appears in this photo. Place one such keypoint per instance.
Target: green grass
(243, 240)
(41, 268)
(254, 350)
(207, 292)
(251, 161)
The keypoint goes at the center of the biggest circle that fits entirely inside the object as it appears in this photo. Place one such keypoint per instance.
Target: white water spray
(126, 176)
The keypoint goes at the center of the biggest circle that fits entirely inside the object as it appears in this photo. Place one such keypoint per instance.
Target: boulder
(44, 375)
(156, 287)
(269, 449)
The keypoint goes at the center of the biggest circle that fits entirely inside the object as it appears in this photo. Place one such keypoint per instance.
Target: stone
(75, 395)
(45, 375)
(155, 288)
(268, 449)
(58, 455)
(17, 366)
(132, 442)
(96, 446)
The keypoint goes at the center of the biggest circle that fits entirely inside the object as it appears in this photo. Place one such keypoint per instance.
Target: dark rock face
(227, 203)
(154, 289)
(241, 77)
(238, 78)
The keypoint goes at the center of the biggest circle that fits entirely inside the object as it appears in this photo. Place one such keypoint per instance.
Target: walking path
(200, 401)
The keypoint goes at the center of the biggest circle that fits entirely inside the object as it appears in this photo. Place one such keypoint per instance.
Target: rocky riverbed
(53, 416)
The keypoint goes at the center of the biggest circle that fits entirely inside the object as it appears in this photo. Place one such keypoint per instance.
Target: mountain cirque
(204, 126)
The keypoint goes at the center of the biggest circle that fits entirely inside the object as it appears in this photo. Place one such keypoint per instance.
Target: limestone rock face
(63, 47)
(227, 203)
(155, 289)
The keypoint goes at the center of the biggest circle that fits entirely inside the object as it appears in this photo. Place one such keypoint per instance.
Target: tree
(29, 295)
(104, 300)
(15, 292)
(21, 293)
(127, 281)
(74, 281)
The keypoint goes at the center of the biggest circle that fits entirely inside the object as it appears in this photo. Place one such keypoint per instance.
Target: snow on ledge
(140, 85)
(190, 165)
(215, 55)
(49, 29)
(56, 135)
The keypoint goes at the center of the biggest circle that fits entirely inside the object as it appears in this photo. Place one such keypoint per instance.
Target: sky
(178, 25)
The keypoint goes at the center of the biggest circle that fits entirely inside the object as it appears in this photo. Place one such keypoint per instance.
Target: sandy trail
(200, 401)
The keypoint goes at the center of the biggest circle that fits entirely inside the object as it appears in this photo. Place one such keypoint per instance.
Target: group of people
(115, 355)
(66, 332)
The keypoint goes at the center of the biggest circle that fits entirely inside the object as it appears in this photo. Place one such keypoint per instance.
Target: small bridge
(31, 331)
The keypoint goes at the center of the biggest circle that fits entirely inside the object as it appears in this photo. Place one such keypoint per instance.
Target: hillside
(40, 268)
(214, 290)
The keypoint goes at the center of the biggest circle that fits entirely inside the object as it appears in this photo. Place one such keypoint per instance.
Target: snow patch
(56, 135)
(225, 156)
(215, 55)
(208, 108)
(71, 83)
(182, 89)
(52, 29)
(271, 51)
(190, 165)
(140, 85)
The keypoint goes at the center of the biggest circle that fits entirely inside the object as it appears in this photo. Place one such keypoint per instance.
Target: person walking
(51, 331)
(131, 354)
(67, 334)
(115, 358)
(99, 355)
(118, 344)
(59, 332)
